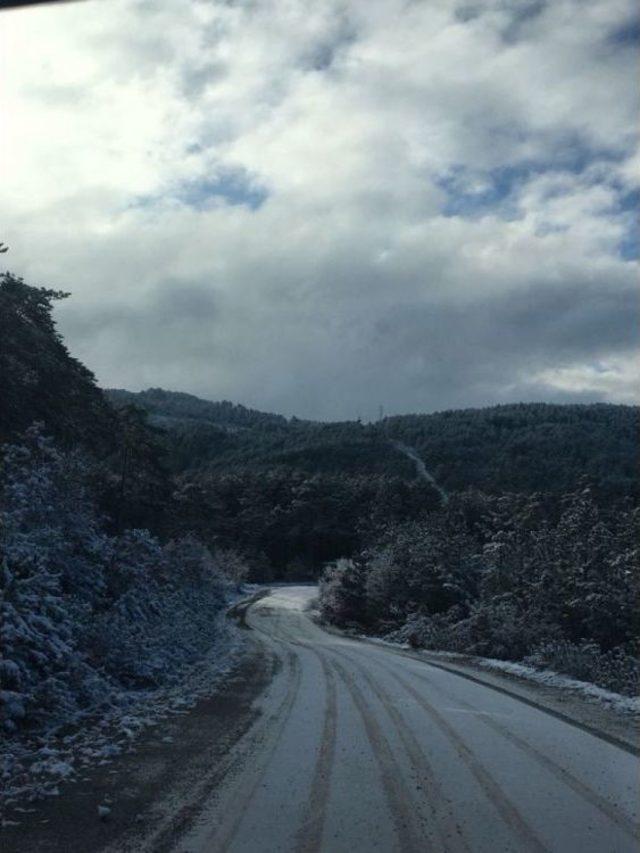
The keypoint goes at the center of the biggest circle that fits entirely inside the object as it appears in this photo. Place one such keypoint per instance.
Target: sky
(321, 207)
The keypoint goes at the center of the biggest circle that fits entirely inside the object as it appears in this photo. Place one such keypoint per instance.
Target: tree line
(551, 580)
(152, 504)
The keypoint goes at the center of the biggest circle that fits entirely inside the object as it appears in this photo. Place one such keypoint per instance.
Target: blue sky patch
(493, 193)
(475, 194)
(629, 202)
(629, 246)
(234, 186)
(627, 35)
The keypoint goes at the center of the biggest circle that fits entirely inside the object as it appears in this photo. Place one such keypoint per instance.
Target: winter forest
(319, 426)
(129, 521)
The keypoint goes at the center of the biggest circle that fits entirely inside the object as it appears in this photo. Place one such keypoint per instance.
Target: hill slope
(39, 379)
(223, 436)
(524, 447)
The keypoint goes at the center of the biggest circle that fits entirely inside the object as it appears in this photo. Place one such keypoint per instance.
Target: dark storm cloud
(516, 15)
(470, 353)
(321, 55)
(626, 34)
(542, 325)
(416, 355)
(176, 320)
(522, 14)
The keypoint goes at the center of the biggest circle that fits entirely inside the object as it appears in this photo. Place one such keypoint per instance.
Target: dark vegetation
(526, 447)
(40, 380)
(545, 579)
(288, 523)
(223, 436)
(98, 596)
(127, 518)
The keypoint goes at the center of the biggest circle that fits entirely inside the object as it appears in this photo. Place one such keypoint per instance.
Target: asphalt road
(358, 748)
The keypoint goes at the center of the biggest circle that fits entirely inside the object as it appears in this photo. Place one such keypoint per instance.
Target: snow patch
(33, 768)
(615, 701)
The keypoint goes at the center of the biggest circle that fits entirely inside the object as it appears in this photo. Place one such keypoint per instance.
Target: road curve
(358, 748)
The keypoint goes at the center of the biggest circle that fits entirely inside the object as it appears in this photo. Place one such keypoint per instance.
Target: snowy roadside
(609, 715)
(615, 701)
(32, 768)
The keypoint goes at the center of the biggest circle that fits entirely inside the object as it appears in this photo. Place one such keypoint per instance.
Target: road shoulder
(157, 787)
(611, 725)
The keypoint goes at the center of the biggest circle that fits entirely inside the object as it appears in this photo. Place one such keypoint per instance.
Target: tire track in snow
(494, 792)
(449, 832)
(310, 832)
(164, 839)
(276, 724)
(397, 794)
(565, 776)
(507, 810)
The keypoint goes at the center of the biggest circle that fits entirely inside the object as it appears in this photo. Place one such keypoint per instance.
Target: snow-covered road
(360, 748)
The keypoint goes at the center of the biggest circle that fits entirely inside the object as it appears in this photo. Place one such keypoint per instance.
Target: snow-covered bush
(48, 514)
(43, 673)
(498, 628)
(232, 565)
(167, 618)
(551, 580)
(83, 614)
(51, 573)
(342, 596)
(617, 670)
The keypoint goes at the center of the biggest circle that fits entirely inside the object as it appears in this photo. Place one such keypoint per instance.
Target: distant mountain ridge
(223, 435)
(520, 447)
(179, 405)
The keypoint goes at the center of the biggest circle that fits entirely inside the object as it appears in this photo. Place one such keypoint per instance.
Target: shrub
(521, 577)
(617, 669)
(83, 614)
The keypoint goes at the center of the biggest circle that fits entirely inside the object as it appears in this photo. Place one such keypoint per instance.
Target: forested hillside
(525, 447)
(174, 406)
(224, 436)
(39, 379)
(99, 598)
(125, 519)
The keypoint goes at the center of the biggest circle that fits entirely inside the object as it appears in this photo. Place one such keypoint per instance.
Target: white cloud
(437, 176)
(612, 376)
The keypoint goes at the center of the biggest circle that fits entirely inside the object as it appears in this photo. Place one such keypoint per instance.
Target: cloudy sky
(317, 207)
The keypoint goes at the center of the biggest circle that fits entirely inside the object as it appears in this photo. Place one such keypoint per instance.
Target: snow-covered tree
(83, 614)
